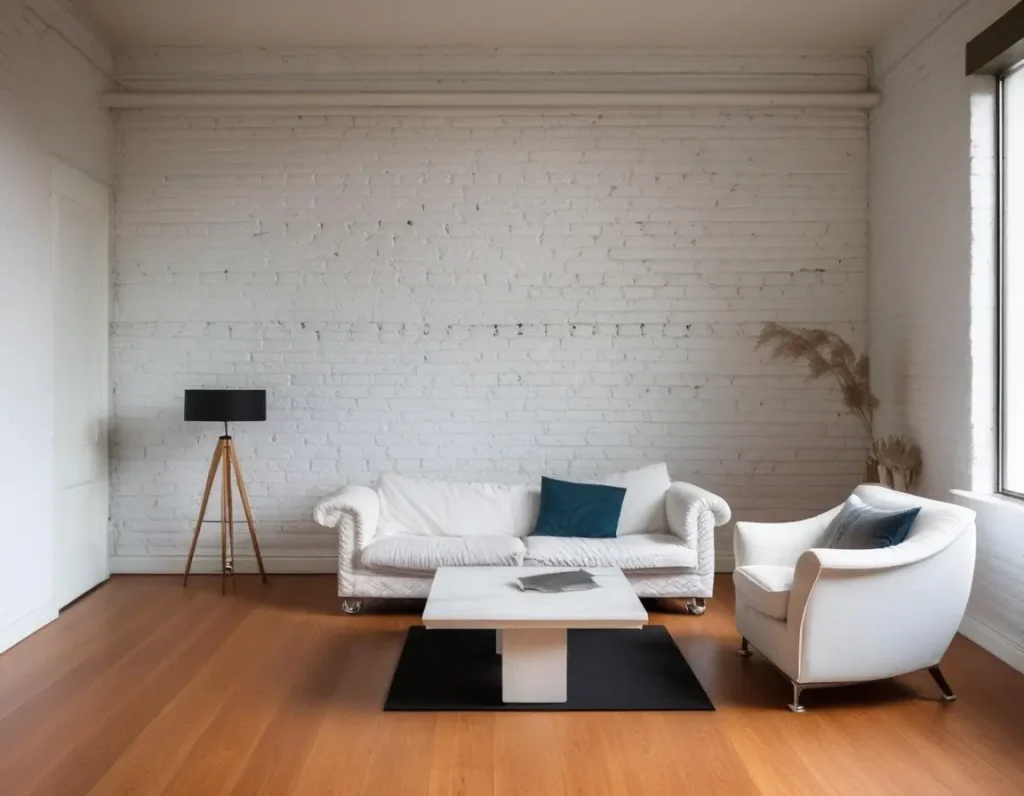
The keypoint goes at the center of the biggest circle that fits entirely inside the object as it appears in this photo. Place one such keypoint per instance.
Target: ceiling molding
(499, 100)
(61, 18)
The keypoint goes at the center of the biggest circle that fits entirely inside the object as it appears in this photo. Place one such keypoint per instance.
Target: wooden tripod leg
(231, 511)
(224, 487)
(217, 453)
(248, 512)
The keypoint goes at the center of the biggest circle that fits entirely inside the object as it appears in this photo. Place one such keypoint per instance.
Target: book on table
(557, 582)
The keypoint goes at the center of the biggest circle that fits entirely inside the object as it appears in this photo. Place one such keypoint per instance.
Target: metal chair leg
(744, 650)
(795, 705)
(942, 683)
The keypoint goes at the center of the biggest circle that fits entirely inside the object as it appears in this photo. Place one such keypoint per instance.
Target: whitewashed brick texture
(481, 297)
(932, 286)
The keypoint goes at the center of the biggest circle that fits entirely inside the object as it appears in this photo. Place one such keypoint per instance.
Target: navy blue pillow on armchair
(859, 526)
(590, 511)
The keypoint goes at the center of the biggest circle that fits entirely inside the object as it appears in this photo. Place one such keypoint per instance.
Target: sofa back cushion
(643, 510)
(445, 508)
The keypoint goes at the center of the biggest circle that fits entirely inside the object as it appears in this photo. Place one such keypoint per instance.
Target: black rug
(442, 670)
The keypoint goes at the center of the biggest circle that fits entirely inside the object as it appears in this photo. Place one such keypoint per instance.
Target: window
(1011, 310)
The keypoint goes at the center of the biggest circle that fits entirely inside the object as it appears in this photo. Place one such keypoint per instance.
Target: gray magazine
(557, 582)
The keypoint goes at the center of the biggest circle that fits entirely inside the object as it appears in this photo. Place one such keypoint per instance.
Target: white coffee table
(531, 627)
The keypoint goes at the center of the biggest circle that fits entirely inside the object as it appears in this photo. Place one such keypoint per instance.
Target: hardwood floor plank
(356, 670)
(88, 637)
(60, 720)
(411, 739)
(161, 747)
(221, 751)
(288, 735)
(146, 688)
(529, 756)
(463, 761)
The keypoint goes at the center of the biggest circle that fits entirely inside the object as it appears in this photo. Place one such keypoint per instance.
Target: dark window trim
(1000, 292)
(999, 46)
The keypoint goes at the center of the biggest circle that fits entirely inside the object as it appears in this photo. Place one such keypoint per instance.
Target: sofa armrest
(685, 507)
(353, 510)
(778, 543)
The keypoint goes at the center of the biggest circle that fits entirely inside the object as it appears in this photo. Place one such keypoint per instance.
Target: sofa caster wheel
(696, 606)
(744, 650)
(352, 606)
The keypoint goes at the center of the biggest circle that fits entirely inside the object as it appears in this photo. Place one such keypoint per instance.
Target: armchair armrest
(684, 506)
(778, 543)
(870, 560)
(870, 614)
(354, 508)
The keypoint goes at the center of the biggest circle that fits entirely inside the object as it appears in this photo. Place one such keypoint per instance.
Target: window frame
(1002, 447)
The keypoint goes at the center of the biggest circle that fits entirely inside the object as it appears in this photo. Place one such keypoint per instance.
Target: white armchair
(832, 617)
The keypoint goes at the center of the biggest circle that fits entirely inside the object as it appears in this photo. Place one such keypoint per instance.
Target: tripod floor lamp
(225, 406)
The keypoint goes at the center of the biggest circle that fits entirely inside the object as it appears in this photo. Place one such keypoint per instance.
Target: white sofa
(392, 538)
(832, 617)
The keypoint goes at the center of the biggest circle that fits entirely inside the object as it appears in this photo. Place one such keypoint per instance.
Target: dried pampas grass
(826, 352)
(900, 459)
(897, 459)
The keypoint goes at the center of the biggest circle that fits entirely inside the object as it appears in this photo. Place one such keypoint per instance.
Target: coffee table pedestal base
(533, 664)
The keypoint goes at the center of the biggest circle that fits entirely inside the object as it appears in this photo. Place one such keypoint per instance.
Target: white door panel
(81, 231)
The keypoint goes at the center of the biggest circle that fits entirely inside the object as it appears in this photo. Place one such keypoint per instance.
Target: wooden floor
(144, 688)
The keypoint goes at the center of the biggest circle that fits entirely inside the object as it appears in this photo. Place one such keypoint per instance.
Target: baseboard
(724, 562)
(210, 565)
(20, 629)
(1008, 651)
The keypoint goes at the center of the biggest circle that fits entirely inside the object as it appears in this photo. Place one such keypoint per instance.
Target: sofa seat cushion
(765, 588)
(634, 552)
(426, 553)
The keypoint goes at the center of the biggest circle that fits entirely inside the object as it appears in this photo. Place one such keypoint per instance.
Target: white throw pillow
(443, 508)
(643, 509)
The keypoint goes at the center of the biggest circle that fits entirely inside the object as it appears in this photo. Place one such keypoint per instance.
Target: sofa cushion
(589, 511)
(643, 510)
(443, 508)
(765, 588)
(427, 553)
(635, 552)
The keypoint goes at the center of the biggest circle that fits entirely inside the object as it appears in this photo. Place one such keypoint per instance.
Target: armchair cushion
(765, 588)
(859, 526)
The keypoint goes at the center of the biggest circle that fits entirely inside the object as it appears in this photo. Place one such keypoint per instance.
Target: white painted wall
(479, 296)
(931, 286)
(47, 108)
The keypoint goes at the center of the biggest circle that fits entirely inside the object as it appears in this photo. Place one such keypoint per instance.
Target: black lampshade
(225, 406)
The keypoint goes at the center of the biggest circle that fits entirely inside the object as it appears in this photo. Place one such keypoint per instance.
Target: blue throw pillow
(590, 511)
(859, 526)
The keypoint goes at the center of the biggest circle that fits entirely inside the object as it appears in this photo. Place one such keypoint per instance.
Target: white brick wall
(931, 285)
(481, 297)
(47, 108)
